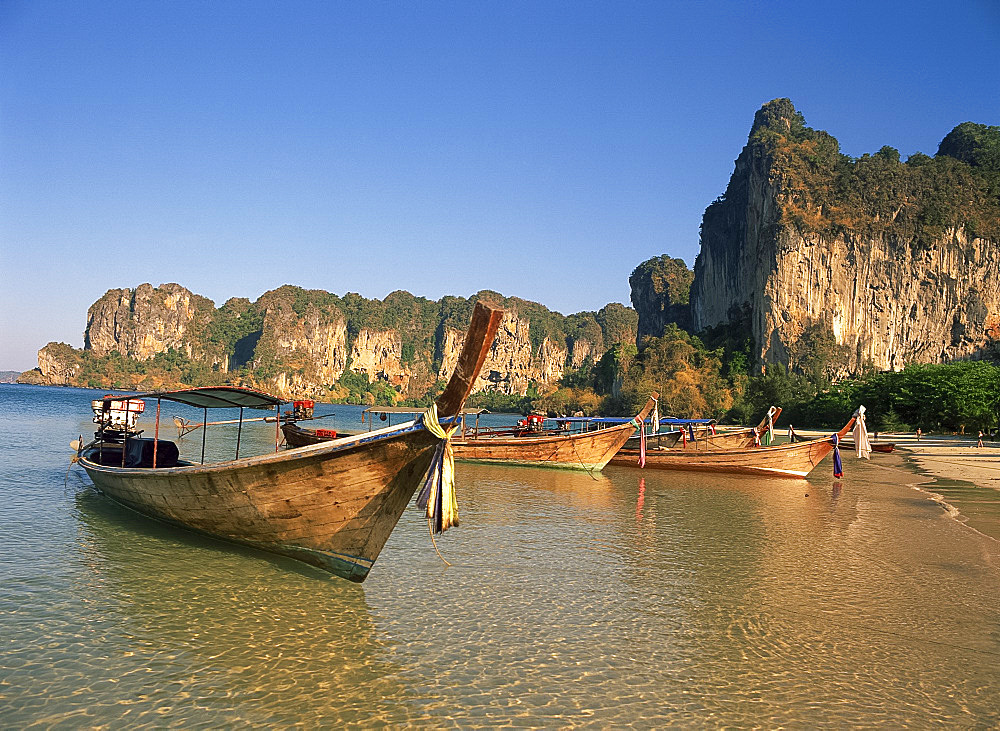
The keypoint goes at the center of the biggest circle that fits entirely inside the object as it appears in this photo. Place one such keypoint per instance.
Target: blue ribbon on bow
(838, 466)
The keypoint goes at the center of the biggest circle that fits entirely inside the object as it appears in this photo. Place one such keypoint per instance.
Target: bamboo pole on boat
(204, 432)
(156, 432)
(239, 433)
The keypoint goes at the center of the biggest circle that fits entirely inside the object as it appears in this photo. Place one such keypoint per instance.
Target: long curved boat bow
(332, 505)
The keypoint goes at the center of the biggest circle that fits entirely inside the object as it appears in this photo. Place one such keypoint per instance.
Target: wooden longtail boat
(786, 460)
(705, 439)
(296, 436)
(741, 438)
(848, 444)
(588, 450)
(659, 440)
(332, 505)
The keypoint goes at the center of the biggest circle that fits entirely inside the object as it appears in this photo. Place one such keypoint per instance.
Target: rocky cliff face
(57, 364)
(769, 257)
(306, 352)
(145, 321)
(512, 364)
(582, 352)
(661, 289)
(301, 343)
(378, 354)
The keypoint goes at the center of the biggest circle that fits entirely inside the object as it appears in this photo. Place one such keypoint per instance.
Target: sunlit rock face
(512, 362)
(888, 301)
(145, 321)
(378, 354)
(308, 351)
(301, 343)
(661, 289)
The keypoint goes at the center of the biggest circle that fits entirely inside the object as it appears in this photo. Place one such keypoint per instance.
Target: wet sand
(946, 457)
(953, 458)
(963, 478)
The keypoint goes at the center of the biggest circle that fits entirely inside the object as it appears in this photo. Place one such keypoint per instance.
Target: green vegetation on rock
(831, 194)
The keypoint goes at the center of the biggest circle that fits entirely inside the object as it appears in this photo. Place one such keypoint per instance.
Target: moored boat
(787, 460)
(527, 446)
(585, 450)
(297, 436)
(756, 436)
(332, 505)
(848, 444)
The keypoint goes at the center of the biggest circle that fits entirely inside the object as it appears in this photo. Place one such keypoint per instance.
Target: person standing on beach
(980, 442)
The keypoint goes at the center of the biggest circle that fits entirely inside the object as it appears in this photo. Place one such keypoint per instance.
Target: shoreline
(947, 457)
(953, 458)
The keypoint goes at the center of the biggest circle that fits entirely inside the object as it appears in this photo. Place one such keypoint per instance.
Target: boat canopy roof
(209, 397)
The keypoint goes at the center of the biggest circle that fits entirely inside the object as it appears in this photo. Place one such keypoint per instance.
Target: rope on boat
(589, 470)
(435, 544)
(437, 497)
(72, 461)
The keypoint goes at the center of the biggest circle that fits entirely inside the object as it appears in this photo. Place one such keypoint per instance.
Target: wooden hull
(332, 505)
(787, 460)
(743, 439)
(748, 438)
(589, 451)
(883, 447)
(296, 436)
(660, 440)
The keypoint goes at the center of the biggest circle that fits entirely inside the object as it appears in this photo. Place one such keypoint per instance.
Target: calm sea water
(634, 599)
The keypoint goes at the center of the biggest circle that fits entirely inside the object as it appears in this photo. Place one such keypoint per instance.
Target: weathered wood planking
(787, 460)
(332, 505)
(582, 451)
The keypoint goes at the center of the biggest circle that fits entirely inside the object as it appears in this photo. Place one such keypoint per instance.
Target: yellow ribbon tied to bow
(437, 496)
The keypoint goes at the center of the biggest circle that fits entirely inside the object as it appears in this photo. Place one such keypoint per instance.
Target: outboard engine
(116, 418)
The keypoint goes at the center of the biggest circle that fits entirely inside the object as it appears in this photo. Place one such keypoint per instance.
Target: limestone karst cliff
(900, 261)
(145, 321)
(513, 362)
(298, 342)
(661, 289)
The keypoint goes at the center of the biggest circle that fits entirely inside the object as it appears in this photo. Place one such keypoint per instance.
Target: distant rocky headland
(811, 262)
(298, 343)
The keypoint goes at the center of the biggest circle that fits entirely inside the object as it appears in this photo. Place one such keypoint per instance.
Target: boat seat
(140, 453)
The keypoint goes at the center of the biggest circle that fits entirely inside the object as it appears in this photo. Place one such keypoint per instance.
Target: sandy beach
(949, 457)
(952, 457)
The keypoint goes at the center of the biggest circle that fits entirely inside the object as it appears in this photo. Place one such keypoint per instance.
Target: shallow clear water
(637, 598)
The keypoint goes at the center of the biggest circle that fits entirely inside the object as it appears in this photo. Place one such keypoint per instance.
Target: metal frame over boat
(332, 505)
(786, 460)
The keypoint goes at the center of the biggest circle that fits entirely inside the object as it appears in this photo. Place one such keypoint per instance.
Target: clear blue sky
(540, 149)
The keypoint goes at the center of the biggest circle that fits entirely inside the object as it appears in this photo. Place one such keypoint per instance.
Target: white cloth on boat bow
(861, 443)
